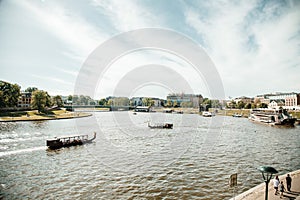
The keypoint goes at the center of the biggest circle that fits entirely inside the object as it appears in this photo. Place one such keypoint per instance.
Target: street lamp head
(269, 171)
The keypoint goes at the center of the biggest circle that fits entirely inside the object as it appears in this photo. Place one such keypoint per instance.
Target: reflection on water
(192, 161)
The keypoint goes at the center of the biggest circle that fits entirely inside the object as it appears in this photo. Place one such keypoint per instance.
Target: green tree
(57, 100)
(40, 100)
(240, 105)
(2, 101)
(148, 101)
(262, 105)
(247, 106)
(102, 102)
(253, 105)
(231, 104)
(9, 94)
(70, 98)
(207, 103)
(169, 103)
(110, 102)
(175, 104)
(31, 89)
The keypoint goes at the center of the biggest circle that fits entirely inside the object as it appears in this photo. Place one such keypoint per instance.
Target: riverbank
(246, 112)
(35, 116)
(258, 192)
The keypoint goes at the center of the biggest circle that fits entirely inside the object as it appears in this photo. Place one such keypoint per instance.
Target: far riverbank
(35, 116)
(246, 112)
(225, 112)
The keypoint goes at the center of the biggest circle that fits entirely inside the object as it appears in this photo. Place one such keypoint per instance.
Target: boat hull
(161, 126)
(58, 143)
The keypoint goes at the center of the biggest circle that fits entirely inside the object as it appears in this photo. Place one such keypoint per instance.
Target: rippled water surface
(130, 161)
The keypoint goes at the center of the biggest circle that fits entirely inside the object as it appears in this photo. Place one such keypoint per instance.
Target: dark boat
(161, 126)
(67, 141)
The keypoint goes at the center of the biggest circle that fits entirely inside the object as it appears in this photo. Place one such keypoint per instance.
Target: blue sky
(255, 45)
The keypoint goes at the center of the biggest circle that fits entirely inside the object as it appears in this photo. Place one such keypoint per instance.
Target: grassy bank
(246, 112)
(230, 112)
(36, 116)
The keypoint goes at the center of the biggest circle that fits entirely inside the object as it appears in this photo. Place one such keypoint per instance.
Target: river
(194, 160)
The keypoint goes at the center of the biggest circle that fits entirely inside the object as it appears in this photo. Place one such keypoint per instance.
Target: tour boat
(161, 125)
(67, 141)
(272, 117)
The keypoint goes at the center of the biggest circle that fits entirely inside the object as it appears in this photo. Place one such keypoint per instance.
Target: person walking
(276, 183)
(288, 182)
(281, 189)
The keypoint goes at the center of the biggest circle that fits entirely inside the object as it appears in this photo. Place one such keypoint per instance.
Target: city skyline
(254, 45)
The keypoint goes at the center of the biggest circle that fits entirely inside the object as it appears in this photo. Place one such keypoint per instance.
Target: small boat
(272, 117)
(207, 114)
(161, 125)
(178, 112)
(67, 141)
(237, 115)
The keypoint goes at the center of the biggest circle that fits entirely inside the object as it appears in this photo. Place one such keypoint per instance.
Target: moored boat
(161, 125)
(237, 115)
(207, 114)
(67, 141)
(272, 117)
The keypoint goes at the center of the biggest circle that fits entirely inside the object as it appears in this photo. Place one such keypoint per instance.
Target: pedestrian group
(278, 185)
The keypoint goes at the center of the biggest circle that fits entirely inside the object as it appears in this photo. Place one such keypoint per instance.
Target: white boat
(272, 117)
(237, 115)
(207, 114)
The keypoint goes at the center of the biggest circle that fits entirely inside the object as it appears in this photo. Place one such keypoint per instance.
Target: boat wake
(20, 151)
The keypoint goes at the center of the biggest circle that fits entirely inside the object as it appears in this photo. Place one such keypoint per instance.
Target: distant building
(276, 104)
(243, 99)
(138, 101)
(262, 99)
(157, 102)
(290, 100)
(24, 100)
(181, 98)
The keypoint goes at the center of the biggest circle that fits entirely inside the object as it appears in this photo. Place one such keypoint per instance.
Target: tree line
(40, 100)
(241, 105)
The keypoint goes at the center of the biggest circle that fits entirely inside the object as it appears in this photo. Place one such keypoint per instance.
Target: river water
(194, 160)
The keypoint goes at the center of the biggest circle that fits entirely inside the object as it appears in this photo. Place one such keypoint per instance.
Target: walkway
(258, 192)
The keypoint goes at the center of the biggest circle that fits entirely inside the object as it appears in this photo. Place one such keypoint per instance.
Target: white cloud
(249, 43)
(130, 63)
(77, 33)
(128, 15)
(53, 79)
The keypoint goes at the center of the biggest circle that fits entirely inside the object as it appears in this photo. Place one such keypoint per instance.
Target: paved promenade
(258, 192)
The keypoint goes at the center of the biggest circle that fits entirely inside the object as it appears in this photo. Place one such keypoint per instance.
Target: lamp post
(267, 173)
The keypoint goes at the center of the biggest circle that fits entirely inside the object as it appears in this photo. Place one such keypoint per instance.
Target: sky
(254, 46)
